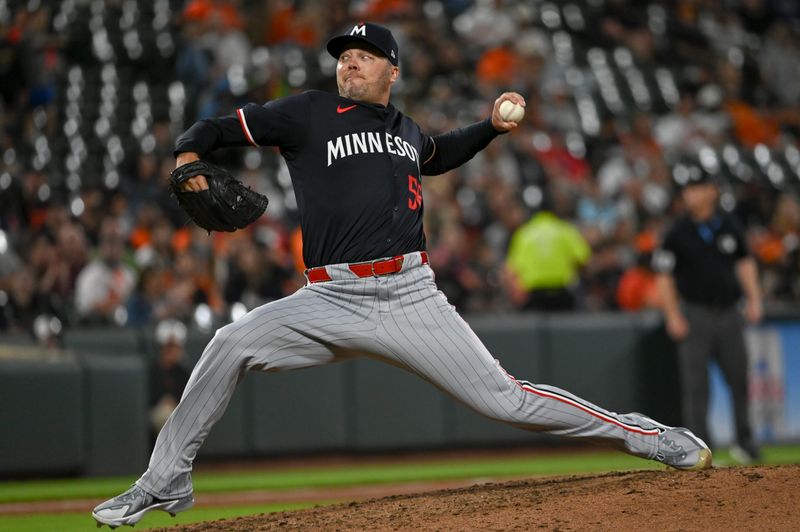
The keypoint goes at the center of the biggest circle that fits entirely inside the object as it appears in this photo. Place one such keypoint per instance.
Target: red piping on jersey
(607, 419)
(245, 129)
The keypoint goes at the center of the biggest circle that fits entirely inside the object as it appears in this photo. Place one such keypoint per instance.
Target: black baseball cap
(367, 32)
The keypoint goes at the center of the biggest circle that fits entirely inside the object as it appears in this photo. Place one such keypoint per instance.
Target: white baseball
(511, 112)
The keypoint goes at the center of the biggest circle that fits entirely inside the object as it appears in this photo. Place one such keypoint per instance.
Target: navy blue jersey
(356, 168)
(702, 257)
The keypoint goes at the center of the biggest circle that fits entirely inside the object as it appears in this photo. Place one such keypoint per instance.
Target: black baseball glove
(227, 205)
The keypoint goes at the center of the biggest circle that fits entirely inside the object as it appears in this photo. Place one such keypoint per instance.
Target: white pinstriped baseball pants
(401, 319)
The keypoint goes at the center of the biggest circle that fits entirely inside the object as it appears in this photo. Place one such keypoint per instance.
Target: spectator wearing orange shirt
(498, 66)
(637, 289)
(778, 249)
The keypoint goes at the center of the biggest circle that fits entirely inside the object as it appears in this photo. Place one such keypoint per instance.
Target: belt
(373, 268)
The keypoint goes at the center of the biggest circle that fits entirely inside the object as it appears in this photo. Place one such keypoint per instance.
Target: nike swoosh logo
(340, 109)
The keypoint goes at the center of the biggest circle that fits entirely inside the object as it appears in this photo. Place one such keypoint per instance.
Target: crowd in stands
(624, 98)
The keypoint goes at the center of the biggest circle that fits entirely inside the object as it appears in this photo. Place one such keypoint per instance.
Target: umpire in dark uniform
(704, 267)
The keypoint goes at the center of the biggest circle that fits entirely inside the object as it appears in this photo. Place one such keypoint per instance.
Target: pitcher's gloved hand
(227, 205)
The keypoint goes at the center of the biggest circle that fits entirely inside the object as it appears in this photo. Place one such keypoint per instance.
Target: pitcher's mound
(741, 498)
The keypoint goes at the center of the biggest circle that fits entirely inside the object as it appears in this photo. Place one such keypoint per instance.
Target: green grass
(786, 454)
(320, 477)
(326, 477)
(77, 522)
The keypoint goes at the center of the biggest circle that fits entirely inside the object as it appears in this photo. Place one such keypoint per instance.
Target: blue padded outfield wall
(774, 387)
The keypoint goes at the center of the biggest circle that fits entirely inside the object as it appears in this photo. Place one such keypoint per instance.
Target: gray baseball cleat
(129, 507)
(679, 448)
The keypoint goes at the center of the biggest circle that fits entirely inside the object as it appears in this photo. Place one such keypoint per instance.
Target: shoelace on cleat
(130, 494)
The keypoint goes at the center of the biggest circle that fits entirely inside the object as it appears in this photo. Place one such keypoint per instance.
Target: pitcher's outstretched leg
(426, 334)
(263, 339)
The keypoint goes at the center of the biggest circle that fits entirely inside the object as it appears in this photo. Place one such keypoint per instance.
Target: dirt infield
(742, 498)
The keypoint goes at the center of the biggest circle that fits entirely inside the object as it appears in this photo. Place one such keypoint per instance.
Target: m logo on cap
(359, 30)
(379, 37)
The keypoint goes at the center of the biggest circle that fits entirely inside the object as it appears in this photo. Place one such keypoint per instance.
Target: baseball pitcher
(357, 167)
